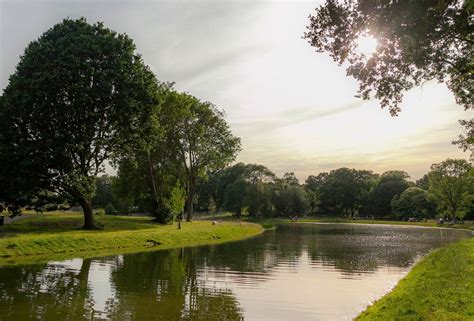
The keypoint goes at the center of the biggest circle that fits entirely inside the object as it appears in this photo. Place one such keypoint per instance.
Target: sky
(294, 109)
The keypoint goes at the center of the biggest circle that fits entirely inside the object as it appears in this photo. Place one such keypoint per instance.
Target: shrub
(110, 209)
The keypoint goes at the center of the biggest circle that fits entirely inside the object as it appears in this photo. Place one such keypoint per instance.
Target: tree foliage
(288, 198)
(389, 185)
(452, 184)
(417, 41)
(413, 202)
(345, 190)
(466, 141)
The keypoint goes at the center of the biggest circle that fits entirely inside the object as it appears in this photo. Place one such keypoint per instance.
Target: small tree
(110, 209)
(211, 207)
(176, 202)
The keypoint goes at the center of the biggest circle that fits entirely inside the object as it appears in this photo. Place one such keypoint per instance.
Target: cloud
(291, 117)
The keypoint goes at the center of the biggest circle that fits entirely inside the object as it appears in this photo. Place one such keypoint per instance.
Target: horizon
(247, 60)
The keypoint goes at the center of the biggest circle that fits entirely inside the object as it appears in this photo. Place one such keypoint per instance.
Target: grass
(439, 287)
(58, 236)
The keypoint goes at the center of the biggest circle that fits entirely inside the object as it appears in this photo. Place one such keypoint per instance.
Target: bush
(51, 207)
(110, 209)
(99, 212)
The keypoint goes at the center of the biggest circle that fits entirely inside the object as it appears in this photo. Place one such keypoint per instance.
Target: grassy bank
(58, 236)
(439, 287)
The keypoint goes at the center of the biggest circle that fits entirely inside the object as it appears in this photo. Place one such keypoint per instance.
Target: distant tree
(313, 193)
(417, 41)
(423, 183)
(258, 198)
(291, 179)
(230, 185)
(80, 95)
(205, 189)
(452, 184)
(289, 199)
(110, 209)
(105, 193)
(259, 173)
(469, 207)
(211, 207)
(389, 185)
(345, 190)
(223, 179)
(235, 194)
(413, 202)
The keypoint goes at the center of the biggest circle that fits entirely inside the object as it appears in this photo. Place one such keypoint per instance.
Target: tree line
(255, 191)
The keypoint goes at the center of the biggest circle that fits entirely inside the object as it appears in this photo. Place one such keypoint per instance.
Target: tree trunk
(88, 215)
(190, 188)
(189, 207)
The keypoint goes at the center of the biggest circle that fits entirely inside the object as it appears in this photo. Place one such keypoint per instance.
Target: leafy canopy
(417, 41)
(452, 184)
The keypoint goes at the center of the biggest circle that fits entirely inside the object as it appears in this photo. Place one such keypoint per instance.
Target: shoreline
(440, 286)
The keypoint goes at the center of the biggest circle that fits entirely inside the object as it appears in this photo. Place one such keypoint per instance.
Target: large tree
(80, 95)
(452, 184)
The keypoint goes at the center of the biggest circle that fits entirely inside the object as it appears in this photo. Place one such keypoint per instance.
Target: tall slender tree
(201, 139)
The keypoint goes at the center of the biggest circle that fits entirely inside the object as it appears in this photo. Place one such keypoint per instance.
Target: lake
(294, 272)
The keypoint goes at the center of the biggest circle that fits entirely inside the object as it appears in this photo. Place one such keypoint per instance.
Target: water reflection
(296, 272)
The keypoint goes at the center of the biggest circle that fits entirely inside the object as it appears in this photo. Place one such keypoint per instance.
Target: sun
(366, 45)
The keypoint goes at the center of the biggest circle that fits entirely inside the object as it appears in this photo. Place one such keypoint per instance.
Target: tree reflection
(46, 292)
(164, 285)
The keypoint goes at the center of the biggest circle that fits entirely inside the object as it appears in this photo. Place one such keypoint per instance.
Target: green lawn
(58, 236)
(440, 287)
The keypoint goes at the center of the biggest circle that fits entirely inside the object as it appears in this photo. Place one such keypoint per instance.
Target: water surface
(295, 272)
